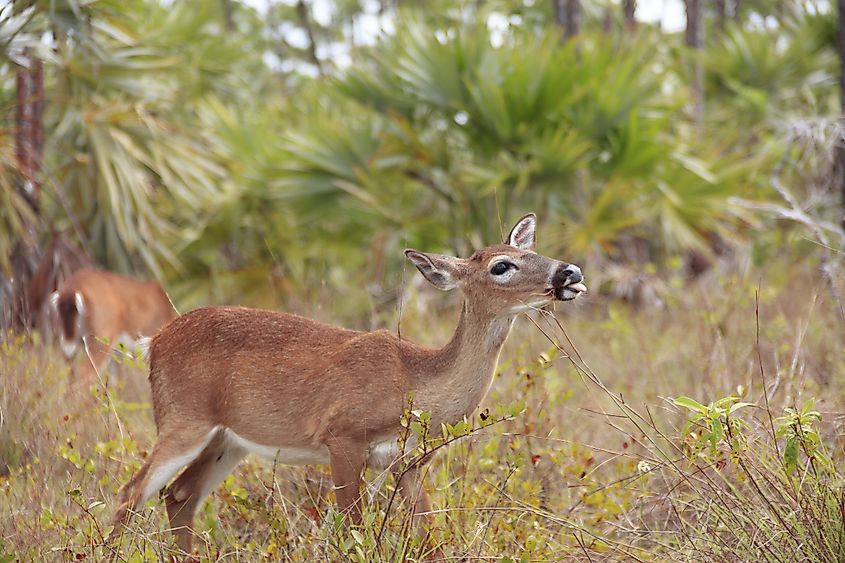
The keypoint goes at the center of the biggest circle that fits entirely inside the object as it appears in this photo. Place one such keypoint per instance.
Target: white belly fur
(381, 454)
(287, 456)
(384, 453)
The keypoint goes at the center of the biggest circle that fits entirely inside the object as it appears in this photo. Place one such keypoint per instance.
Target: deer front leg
(347, 462)
(412, 489)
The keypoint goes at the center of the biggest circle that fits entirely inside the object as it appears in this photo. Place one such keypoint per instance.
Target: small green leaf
(808, 405)
(690, 404)
(738, 406)
(46, 516)
(516, 408)
(717, 432)
(460, 428)
(359, 537)
(417, 428)
(790, 454)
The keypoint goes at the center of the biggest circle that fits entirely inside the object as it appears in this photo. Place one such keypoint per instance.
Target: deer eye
(500, 268)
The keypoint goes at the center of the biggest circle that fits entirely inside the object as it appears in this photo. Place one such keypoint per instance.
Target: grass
(592, 453)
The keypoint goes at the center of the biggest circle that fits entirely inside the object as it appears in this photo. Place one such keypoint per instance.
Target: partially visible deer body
(93, 304)
(228, 381)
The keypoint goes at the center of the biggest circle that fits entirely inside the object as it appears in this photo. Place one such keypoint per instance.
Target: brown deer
(228, 381)
(94, 304)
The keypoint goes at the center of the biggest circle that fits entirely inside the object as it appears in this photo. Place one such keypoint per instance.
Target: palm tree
(568, 16)
(694, 39)
(125, 162)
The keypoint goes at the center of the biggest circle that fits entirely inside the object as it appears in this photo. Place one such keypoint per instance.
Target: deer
(93, 304)
(231, 381)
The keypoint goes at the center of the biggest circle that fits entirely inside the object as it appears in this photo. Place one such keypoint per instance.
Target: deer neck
(460, 373)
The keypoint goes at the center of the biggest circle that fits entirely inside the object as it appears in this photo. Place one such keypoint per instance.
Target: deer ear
(438, 269)
(523, 234)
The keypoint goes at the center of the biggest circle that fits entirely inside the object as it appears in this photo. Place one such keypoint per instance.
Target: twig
(500, 489)
(420, 459)
(105, 389)
(763, 371)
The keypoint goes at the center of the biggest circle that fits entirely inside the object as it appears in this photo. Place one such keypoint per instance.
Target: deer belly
(385, 453)
(285, 455)
(125, 339)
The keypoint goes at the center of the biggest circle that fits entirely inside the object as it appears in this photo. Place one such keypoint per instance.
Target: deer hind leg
(199, 479)
(347, 462)
(412, 489)
(172, 452)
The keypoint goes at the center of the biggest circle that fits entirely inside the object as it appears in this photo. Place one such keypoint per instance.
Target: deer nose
(566, 274)
(573, 274)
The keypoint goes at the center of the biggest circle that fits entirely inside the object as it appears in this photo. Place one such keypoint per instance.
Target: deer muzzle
(568, 282)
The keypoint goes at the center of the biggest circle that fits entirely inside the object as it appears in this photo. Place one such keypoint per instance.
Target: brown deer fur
(58, 263)
(93, 304)
(227, 381)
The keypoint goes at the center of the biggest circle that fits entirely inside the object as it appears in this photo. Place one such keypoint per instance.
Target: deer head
(504, 279)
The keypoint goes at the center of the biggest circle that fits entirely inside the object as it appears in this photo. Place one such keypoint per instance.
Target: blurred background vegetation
(282, 153)
(272, 153)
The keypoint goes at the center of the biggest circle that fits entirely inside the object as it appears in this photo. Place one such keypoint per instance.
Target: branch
(305, 21)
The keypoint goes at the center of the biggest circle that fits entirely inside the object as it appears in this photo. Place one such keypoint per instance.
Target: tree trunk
(305, 22)
(607, 21)
(839, 149)
(568, 16)
(694, 39)
(29, 148)
(228, 16)
(23, 119)
(29, 132)
(629, 9)
(693, 34)
(37, 125)
(721, 14)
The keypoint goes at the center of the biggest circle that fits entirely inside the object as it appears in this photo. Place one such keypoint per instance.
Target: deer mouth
(569, 292)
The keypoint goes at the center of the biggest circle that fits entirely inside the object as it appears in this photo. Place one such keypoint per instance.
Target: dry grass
(581, 473)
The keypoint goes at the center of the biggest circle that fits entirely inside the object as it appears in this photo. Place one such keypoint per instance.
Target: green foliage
(797, 511)
(758, 76)
(15, 212)
(716, 423)
(177, 149)
(550, 466)
(194, 144)
(799, 428)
